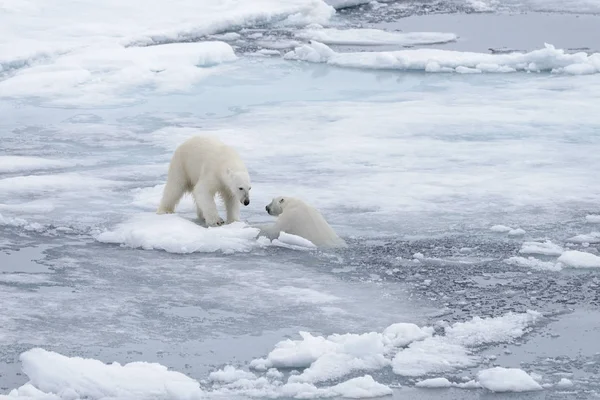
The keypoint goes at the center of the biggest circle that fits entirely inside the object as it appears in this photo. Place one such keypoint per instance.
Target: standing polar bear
(298, 218)
(205, 166)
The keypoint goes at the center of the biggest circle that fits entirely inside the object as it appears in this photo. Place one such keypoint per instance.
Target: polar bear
(205, 166)
(296, 217)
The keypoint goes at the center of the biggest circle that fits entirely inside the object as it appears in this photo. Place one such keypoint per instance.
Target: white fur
(298, 218)
(205, 166)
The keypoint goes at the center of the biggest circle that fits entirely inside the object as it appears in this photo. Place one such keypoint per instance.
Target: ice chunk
(548, 59)
(360, 388)
(533, 263)
(50, 373)
(403, 334)
(544, 248)
(564, 383)
(338, 355)
(579, 259)
(516, 232)
(293, 242)
(434, 383)
(500, 379)
(592, 219)
(439, 354)
(593, 237)
(365, 37)
(175, 234)
(230, 374)
(501, 228)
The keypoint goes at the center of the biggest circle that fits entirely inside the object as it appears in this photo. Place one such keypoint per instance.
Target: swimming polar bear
(295, 217)
(205, 166)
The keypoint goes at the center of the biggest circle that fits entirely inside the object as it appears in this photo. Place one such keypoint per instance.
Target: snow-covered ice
(533, 263)
(579, 259)
(175, 234)
(434, 383)
(592, 219)
(548, 59)
(500, 379)
(103, 298)
(546, 248)
(366, 37)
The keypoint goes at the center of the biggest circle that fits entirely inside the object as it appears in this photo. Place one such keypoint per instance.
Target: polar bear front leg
(206, 206)
(233, 208)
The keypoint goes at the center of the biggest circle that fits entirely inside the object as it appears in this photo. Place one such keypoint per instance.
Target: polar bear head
(239, 185)
(277, 205)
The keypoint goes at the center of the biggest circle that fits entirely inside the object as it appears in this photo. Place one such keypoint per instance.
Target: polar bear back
(300, 219)
(207, 157)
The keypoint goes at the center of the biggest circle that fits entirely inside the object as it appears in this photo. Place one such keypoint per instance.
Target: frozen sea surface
(462, 179)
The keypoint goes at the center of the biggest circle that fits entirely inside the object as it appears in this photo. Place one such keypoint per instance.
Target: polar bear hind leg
(174, 190)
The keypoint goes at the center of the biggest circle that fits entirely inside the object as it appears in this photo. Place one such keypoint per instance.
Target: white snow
(439, 354)
(230, 374)
(366, 37)
(546, 248)
(10, 164)
(53, 376)
(501, 228)
(579, 259)
(337, 355)
(500, 379)
(516, 232)
(110, 73)
(593, 237)
(548, 59)
(53, 373)
(434, 383)
(533, 263)
(592, 219)
(84, 52)
(564, 383)
(174, 234)
(409, 349)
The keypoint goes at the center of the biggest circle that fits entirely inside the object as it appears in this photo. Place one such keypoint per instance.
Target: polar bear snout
(268, 209)
(246, 202)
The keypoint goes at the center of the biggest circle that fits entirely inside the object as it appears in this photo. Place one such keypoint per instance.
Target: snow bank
(500, 379)
(546, 248)
(85, 51)
(175, 234)
(548, 59)
(579, 259)
(366, 37)
(533, 263)
(438, 354)
(70, 378)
